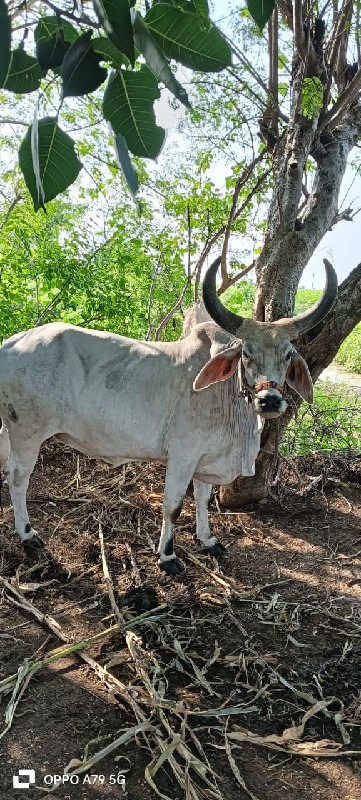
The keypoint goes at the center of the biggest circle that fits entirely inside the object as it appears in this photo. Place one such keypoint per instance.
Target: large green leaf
(202, 7)
(128, 105)
(55, 26)
(157, 61)
(109, 52)
(114, 15)
(81, 72)
(261, 11)
(125, 163)
(53, 37)
(24, 73)
(56, 165)
(5, 41)
(188, 38)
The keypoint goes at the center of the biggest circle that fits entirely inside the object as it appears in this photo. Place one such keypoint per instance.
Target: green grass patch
(332, 423)
(349, 354)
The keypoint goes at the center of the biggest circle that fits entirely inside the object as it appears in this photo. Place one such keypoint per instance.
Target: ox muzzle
(269, 399)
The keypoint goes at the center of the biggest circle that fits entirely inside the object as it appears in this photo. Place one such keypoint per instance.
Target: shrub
(333, 422)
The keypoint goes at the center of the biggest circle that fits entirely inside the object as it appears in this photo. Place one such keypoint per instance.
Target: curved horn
(225, 319)
(310, 318)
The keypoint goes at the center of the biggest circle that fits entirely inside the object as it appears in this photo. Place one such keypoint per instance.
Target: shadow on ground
(275, 630)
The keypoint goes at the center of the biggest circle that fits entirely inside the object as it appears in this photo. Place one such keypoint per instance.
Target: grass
(332, 423)
(349, 354)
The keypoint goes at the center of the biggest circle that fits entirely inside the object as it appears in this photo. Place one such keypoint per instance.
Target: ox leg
(176, 482)
(202, 494)
(4, 446)
(18, 469)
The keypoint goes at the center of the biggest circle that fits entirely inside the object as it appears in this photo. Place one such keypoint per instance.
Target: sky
(342, 245)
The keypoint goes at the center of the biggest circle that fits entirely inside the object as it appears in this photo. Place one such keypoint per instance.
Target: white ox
(124, 400)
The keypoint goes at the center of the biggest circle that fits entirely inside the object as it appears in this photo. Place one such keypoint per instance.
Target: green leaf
(114, 15)
(109, 52)
(188, 38)
(50, 53)
(5, 41)
(81, 72)
(202, 7)
(48, 27)
(125, 163)
(58, 164)
(24, 73)
(261, 11)
(128, 105)
(53, 37)
(157, 61)
(184, 5)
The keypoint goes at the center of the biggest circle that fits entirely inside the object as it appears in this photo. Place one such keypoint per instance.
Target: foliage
(261, 11)
(64, 62)
(333, 422)
(349, 354)
(86, 278)
(312, 97)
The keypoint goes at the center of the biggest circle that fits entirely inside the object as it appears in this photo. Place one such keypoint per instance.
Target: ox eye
(288, 355)
(246, 355)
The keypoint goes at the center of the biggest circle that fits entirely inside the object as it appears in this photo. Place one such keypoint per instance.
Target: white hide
(124, 400)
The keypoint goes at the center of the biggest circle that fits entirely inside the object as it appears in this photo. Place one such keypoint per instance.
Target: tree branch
(5, 121)
(298, 32)
(285, 7)
(338, 28)
(273, 69)
(232, 216)
(335, 115)
(172, 311)
(11, 209)
(212, 241)
(83, 20)
(237, 277)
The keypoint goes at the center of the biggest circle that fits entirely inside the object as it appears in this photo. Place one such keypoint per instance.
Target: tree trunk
(297, 224)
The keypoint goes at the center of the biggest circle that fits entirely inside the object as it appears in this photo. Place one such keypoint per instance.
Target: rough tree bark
(297, 225)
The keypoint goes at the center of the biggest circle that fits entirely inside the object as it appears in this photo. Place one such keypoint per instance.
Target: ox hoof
(217, 550)
(33, 544)
(172, 567)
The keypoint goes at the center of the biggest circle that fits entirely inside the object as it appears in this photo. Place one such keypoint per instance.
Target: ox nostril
(270, 403)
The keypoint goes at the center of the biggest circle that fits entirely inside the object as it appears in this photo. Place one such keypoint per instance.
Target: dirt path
(274, 632)
(335, 374)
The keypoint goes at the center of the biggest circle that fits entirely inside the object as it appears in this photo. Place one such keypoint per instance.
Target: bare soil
(274, 629)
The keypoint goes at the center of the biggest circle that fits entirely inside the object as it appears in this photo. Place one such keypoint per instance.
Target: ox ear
(299, 378)
(218, 368)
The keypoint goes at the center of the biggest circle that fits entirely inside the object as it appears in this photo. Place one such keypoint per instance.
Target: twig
(116, 611)
(335, 115)
(174, 308)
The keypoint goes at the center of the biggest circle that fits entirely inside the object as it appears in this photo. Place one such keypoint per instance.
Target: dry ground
(272, 633)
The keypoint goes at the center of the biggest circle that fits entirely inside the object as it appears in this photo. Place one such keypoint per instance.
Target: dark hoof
(35, 543)
(172, 567)
(141, 599)
(217, 550)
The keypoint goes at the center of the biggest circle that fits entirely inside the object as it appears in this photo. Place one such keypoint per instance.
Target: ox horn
(300, 324)
(310, 318)
(220, 314)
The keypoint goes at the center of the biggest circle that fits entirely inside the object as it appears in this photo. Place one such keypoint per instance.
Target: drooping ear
(299, 378)
(218, 369)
